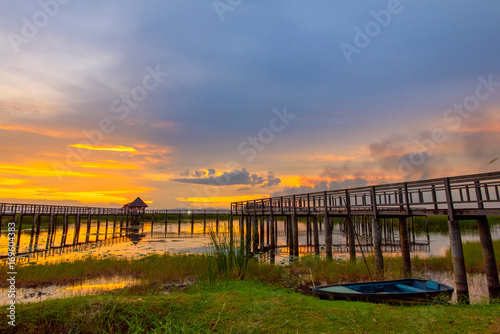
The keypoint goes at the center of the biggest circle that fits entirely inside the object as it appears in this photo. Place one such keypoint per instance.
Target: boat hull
(407, 291)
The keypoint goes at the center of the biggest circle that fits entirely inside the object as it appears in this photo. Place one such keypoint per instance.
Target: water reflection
(146, 239)
(88, 287)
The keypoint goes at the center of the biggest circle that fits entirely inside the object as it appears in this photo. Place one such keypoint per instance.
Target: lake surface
(192, 239)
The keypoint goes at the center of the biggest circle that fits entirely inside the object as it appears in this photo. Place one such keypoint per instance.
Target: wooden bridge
(462, 197)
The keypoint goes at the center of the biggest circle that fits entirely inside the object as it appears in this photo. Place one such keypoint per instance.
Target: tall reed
(227, 257)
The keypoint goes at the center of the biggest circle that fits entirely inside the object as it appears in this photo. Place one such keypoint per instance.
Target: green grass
(243, 307)
(153, 270)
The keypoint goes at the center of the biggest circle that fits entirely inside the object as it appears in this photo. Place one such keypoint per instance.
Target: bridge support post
(457, 252)
(114, 225)
(248, 241)
(204, 223)
(77, 230)
(405, 246)
(231, 230)
(316, 235)
(65, 230)
(98, 225)
(255, 234)
(48, 243)
(179, 222)
(352, 243)
(217, 223)
(107, 225)
(192, 222)
(33, 226)
(261, 234)
(328, 238)
(166, 223)
(268, 228)
(295, 232)
(152, 223)
(273, 235)
(242, 231)
(490, 265)
(377, 247)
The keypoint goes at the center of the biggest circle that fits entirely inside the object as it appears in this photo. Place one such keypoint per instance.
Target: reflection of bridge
(462, 197)
(64, 227)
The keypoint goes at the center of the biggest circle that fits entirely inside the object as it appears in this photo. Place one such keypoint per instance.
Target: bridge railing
(479, 191)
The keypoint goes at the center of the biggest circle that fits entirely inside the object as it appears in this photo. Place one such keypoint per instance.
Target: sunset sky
(200, 103)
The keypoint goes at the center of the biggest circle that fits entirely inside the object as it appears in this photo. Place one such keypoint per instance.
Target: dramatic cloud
(237, 177)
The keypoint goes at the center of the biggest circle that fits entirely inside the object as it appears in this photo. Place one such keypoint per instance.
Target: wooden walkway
(459, 198)
(465, 197)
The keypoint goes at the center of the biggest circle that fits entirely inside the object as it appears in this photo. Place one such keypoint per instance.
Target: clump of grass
(227, 258)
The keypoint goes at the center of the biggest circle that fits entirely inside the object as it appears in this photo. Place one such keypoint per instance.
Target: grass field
(243, 307)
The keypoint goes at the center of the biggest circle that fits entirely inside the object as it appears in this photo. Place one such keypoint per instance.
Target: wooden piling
(273, 231)
(255, 234)
(19, 231)
(49, 232)
(217, 223)
(89, 222)
(316, 235)
(248, 239)
(328, 238)
(192, 222)
(377, 236)
(64, 230)
(179, 224)
(98, 225)
(268, 228)
(242, 231)
(457, 251)
(204, 223)
(405, 246)
(352, 242)
(261, 233)
(77, 229)
(166, 223)
(328, 234)
(295, 229)
(32, 237)
(490, 266)
(152, 223)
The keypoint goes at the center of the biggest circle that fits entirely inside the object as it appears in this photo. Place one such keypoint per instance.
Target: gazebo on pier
(137, 205)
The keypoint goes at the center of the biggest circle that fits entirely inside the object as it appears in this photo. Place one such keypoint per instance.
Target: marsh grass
(241, 306)
(227, 257)
(227, 262)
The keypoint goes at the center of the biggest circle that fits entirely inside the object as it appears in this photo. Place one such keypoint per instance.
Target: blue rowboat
(408, 290)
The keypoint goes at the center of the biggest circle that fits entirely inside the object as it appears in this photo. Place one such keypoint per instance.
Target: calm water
(172, 241)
